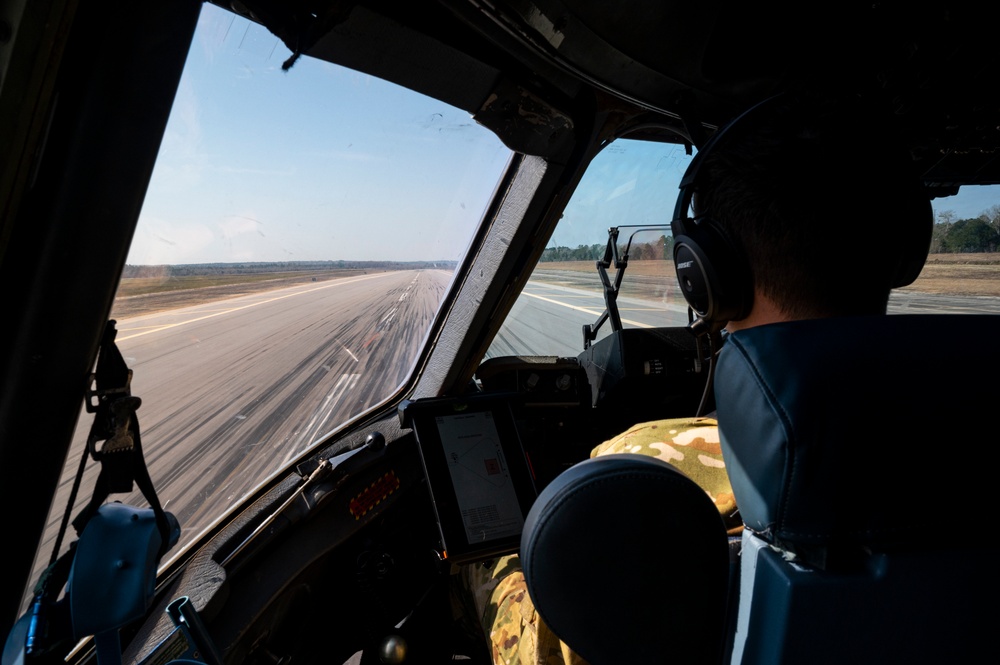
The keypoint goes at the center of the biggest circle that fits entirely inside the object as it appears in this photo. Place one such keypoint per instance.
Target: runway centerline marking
(586, 310)
(582, 296)
(167, 326)
(346, 384)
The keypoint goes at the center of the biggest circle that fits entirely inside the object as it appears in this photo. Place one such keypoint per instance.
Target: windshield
(630, 185)
(299, 234)
(962, 273)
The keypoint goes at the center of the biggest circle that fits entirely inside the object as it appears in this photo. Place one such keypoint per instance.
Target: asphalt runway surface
(235, 390)
(548, 317)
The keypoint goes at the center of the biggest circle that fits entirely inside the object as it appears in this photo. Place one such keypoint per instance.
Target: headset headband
(691, 173)
(711, 271)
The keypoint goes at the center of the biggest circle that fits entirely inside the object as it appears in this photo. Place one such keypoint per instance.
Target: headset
(713, 272)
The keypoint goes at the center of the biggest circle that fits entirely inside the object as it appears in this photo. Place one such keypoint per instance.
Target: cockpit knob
(531, 382)
(393, 649)
(375, 441)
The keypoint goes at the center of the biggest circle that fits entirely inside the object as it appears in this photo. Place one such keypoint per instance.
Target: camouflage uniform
(516, 634)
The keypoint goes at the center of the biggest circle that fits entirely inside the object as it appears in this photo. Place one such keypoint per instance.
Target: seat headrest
(626, 560)
(860, 431)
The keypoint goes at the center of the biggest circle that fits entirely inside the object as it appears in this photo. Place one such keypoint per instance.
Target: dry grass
(953, 274)
(137, 286)
(960, 274)
(146, 295)
(983, 258)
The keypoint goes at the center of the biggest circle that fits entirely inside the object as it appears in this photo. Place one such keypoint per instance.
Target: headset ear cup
(711, 273)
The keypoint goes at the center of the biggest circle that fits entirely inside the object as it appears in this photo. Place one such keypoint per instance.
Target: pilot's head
(823, 204)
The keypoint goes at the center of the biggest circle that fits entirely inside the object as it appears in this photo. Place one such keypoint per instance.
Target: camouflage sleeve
(692, 446)
(516, 634)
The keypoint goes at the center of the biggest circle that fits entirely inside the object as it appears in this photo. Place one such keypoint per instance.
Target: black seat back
(626, 560)
(858, 450)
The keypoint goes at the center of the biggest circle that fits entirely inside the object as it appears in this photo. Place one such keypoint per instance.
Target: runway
(547, 319)
(232, 391)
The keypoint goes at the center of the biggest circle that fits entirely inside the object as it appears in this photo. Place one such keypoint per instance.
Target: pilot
(806, 209)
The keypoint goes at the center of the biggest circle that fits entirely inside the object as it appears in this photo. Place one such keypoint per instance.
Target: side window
(631, 185)
(962, 273)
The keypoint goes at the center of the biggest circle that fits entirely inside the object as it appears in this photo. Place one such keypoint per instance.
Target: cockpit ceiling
(935, 65)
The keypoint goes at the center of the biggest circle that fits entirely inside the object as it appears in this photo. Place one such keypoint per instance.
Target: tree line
(660, 249)
(949, 235)
(979, 234)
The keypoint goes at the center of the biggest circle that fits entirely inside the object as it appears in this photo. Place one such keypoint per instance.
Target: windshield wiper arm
(611, 289)
(374, 443)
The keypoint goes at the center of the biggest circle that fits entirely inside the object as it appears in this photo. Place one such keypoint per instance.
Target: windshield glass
(299, 234)
(962, 273)
(633, 185)
(630, 185)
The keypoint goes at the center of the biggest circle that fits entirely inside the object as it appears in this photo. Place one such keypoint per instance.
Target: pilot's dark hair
(822, 201)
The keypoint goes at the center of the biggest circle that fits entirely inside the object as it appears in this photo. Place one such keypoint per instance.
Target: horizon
(305, 262)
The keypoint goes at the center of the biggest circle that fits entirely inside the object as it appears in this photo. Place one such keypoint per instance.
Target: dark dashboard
(564, 407)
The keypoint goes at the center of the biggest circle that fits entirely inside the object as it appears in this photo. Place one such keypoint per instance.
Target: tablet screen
(481, 476)
(477, 472)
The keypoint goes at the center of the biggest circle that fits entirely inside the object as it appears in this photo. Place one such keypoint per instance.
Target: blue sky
(634, 182)
(628, 183)
(969, 202)
(317, 163)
